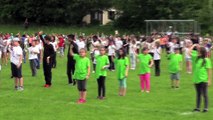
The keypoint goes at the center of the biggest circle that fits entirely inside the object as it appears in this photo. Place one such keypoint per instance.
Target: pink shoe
(81, 101)
(84, 101)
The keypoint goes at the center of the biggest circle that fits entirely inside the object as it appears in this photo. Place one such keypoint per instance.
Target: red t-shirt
(61, 42)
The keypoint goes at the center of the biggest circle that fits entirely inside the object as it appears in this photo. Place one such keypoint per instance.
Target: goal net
(177, 27)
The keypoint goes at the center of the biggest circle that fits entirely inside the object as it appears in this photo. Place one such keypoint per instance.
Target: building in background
(101, 17)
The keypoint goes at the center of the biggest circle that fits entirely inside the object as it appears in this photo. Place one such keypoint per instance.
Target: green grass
(88, 30)
(59, 101)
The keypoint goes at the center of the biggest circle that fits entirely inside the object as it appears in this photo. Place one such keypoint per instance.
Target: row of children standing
(117, 53)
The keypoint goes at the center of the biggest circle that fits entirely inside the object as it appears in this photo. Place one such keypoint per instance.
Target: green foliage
(49, 11)
(134, 12)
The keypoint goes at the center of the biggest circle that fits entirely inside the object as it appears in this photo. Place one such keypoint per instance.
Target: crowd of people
(110, 53)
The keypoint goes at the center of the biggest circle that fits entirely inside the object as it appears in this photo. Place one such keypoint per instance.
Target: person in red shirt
(61, 45)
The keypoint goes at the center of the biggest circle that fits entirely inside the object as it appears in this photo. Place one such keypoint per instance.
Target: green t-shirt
(121, 65)
(200, 73)
(101, 61)
(194, 55)
(174, 63)
(81, 67)
(144, 61)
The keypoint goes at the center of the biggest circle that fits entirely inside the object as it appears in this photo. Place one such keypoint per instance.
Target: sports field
(59, 101)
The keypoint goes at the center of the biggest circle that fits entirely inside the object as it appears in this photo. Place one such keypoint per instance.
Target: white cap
(16, 39)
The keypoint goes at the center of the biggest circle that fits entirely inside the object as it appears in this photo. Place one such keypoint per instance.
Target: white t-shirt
(151, 48)
(81, 44)
(138, 44)
(157, 53)
(54, 44)
(187, 55)
(16, 53)
(32, 51)
(111, 50)
(96, 52)
(95, 45)
(132, 48)
(118, 44)
(39, 46)
(181, 44)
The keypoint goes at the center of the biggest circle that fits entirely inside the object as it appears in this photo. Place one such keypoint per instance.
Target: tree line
(132, 15)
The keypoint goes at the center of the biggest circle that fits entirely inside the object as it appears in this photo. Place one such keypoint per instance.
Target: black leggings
(201, 90)
(112, 64)
(157, 67)
(101, 86)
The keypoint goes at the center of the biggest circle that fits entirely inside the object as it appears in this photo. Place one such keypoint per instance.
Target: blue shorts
(175, 76)
(122, 83)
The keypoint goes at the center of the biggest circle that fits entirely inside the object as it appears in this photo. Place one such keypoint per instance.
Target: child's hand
(126, 74)
(209, 83)
(103, 68)
(18, 66)
(87, 77)
(48, 60)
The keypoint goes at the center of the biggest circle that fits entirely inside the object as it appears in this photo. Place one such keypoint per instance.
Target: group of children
(113, 56)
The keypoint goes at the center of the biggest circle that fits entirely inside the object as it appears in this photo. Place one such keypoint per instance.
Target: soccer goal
(177, 27)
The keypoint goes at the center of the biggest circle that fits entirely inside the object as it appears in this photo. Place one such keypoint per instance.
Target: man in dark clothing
(71, 61)
(48, 55)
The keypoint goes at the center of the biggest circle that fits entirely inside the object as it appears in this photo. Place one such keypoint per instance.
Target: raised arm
(190, 50)
(41, 37)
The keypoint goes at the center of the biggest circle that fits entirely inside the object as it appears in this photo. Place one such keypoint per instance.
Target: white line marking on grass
(186, 113)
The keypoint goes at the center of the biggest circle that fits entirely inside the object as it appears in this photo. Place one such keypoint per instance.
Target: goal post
(179, 27)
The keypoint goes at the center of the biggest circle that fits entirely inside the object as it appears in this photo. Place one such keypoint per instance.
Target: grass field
(62, 29)
(59, 101)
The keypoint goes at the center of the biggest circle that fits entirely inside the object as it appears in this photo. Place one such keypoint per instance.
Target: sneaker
(147, 91)
(46, 86)
(142, 91)
(81, 101)
(196, 110)
(205, 110)
(16, 88)
(84, 101)
(102, 98)
(21, 88)
(93, 71)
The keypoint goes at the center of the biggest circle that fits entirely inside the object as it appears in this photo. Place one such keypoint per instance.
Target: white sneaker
(93, 71)
(21, 89)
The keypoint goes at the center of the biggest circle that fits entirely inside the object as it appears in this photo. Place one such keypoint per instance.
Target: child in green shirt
(202, 75)
(102, 63)
(82, 72)
(175, 65)
(122, 67)
(146, 62)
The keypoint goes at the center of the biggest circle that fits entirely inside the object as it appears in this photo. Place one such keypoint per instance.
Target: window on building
(111, 15)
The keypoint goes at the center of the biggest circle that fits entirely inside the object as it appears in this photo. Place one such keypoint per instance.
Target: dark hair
(95, 37)
(71, 36)
(202, 55)
(47, 37)
(121, 56)
(144, 48)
